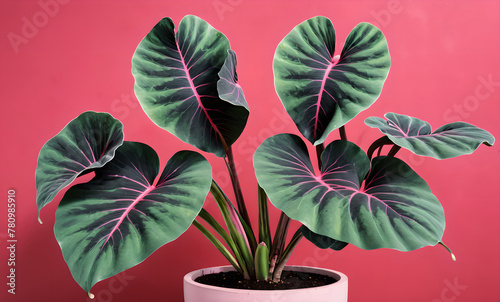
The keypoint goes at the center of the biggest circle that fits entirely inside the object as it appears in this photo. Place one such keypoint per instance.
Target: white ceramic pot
(197, 292)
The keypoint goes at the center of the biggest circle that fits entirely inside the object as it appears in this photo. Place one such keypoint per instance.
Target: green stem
(235, 226)
(219, 246)
(264, 228)
(220, 230)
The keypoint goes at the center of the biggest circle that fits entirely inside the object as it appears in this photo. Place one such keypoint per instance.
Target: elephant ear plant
(186, 82)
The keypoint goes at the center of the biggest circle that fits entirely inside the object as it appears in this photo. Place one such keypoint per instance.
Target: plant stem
(394, 150)
(220, 230)
(286, 255)
(280, 236)
(264, 228)
(380, 150)
(235, 225)
(236, 186)
(319, 150)
(343, 134)
(384, 140)
(219, 246)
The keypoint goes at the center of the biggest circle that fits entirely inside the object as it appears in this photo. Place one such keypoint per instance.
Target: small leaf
(87, 142)
(121, 216)
(450, 140)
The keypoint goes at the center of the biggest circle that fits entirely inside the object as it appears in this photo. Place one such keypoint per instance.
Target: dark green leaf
(120, 217)
(391, 207)
(176, 75)
(87, 142)
(450, 140)
(320, 91)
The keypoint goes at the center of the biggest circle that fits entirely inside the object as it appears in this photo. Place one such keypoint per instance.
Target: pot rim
(190, 278)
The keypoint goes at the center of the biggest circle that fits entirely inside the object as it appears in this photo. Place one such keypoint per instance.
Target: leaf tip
(448, 249)
(91, 295)
(40, 220)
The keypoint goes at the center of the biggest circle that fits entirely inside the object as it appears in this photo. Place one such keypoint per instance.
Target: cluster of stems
(265, 259)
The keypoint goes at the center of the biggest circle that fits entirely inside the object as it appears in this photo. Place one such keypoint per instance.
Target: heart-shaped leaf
(393, 208)
(228, 87)
(121, 216)
(322, 242)
(176, 75)
(87, 142)
(450, 140)
(320, 91)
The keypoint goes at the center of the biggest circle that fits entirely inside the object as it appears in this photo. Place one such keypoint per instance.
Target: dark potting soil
(289, 280)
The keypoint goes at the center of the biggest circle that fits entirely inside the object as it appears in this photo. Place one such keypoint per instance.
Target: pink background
(445, 67)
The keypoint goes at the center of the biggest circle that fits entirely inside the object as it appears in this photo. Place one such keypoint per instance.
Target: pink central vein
(127, 211)
(334, 62)
(195, 92)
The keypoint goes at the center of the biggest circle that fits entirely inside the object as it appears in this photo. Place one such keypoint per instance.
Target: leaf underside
(451, 140)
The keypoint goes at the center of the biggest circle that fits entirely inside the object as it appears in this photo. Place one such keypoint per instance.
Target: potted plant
(186, 82)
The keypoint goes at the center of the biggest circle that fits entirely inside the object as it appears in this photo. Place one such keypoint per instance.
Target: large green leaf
(176, 75)
(450, 140)
(391, 207)
(87, 142)
(121, 216)
(320, 91)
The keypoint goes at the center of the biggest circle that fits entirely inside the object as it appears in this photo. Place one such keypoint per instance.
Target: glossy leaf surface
(121, 216)
(322, 91)
(382, 204)
(87, 142)
(450, 140)
(176, 75)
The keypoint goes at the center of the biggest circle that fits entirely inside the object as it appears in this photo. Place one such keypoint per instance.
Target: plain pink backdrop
(76, 56)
